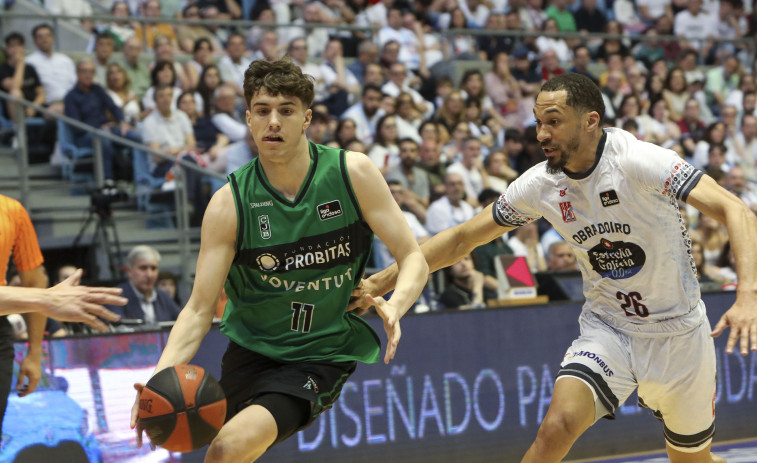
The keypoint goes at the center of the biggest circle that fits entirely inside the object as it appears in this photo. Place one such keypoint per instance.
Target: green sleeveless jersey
(296, 264)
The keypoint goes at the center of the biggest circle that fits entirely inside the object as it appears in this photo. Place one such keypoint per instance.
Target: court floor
(743, 451)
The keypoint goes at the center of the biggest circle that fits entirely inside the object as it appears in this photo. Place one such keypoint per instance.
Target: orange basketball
(182, 408)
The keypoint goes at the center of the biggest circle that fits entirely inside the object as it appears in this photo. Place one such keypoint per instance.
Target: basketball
(182, 408)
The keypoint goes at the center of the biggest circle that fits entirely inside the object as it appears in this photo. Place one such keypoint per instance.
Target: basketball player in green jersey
(289, 236)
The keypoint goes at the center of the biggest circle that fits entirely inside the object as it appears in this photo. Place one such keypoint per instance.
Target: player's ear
(591, 121)
(308, 118)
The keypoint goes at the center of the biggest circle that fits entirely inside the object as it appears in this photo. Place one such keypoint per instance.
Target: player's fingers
(102, 312)
(721, 325)
(106, 298)
(74, 278)
(744, 341)
(753, 336)
(733, 338)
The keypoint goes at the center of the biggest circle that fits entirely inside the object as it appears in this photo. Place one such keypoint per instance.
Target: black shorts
(294, 393)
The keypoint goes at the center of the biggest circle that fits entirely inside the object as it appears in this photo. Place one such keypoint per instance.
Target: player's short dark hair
(14, 37)
(583, 95)
(280, 77)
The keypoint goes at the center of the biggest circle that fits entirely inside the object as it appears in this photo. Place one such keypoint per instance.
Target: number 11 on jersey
(298, 309)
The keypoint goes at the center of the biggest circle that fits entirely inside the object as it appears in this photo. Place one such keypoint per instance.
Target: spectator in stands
(589, 19)
(152, 30)
(162, 74)
(525, 242)
(560, 257)
(489, 46)
(726, 265)
(165, 50)
(649, 129)
(409, 117)
(405, 199)
(499, 172)
(407, 40)
(714, 134)
(721, 80)
(209, 141)
(169, 283)
(219, 33)
(716, 166)
(735, 97)
(72, 8)
(581, 61)
(21, 81)
(227, 9)
(611, 46)
(558, 45)
(736, 183)
(460, 46)
(472, 85)
(398, 82)
(119, 90)
(339, 83)
(503, 90)
(430, 161)
(202, 56)
(88, 102)
(366, 113)
(104, 47)
(658, 109)
(550, 65)
(692, 127)
(138, 71)
(696, 27)
(196, 39)
(412, 178)
(528, 79)
(233, 65)
(704, 272)
(56, 70)
(745, 142)
(451, 112)
(225, 117)
(612, 94)
(145, 302)
(345, 132)
(168, 131)
(385, 149)
(120, 30)
(675, 94)
(464, 287)
(317, 38)
(652, 10)
(210, 80)
(563, 17)
(367, 53)
(451, 209)
(624, 11)
(471, 169)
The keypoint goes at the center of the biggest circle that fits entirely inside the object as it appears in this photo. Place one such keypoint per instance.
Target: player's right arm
(442, 250)
(217, 249)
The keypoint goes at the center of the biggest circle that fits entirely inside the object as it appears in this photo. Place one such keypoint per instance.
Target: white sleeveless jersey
(622, 219)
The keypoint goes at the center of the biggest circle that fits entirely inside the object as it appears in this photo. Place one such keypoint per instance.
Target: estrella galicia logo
(609, 198)
(265, 226)
(567, 212)
(617, 259)
(329, 210)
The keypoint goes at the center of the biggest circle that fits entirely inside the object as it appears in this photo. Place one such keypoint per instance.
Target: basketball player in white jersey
(614, 199)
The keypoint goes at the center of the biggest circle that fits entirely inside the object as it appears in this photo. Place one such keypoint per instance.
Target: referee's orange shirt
(17, 238)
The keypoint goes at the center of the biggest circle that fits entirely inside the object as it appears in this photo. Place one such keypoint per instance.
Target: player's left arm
(31, 366)
(385, 218)
(741, 222)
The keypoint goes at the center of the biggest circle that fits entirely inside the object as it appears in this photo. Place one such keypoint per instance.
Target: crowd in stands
(446, 115)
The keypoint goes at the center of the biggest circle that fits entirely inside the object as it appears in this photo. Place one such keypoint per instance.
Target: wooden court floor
(739, 451)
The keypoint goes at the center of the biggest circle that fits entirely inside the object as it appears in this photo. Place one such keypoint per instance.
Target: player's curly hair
(281, 77)
(583, 94)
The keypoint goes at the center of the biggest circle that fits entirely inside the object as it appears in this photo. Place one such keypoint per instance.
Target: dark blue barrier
(467, 386)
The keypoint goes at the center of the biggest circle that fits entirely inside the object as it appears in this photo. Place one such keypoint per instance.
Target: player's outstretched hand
(135, 424)
(391, 318)
(358, 301)
(69, 302)
(742, 318)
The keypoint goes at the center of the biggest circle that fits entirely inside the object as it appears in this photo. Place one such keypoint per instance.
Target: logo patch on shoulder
(329, 210)
(609, 198)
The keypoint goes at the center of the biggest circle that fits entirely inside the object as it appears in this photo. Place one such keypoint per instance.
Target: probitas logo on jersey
(609, 198)
(567, 212)
(616, 259)
(329, 210)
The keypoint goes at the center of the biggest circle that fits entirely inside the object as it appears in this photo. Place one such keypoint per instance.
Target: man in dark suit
(145, 301)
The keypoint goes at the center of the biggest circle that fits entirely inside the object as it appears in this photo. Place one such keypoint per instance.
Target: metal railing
(180, 193)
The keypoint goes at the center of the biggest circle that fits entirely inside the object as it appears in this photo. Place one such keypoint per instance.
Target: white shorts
(675, 375)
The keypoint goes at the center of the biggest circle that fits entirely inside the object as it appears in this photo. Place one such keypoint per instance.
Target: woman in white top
(119, 90)
(202, 55)
(385, 151)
